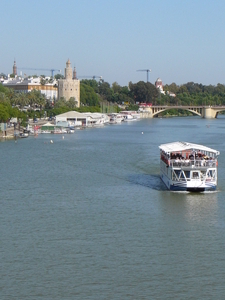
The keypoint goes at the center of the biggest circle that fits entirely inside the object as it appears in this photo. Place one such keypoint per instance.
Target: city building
(70, 86)
(159, 85)
(26, 85)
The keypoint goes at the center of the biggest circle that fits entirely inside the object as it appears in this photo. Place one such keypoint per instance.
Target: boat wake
(150, 181)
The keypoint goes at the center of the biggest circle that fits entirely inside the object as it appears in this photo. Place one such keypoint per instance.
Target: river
(87, 216)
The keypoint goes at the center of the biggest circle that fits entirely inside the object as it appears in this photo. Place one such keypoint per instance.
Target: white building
(26, 85)
(159, 85)
(74, 118)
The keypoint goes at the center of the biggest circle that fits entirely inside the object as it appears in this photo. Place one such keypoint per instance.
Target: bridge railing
(193, 163)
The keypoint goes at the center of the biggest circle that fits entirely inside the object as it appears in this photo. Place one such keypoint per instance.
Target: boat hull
(186, 186)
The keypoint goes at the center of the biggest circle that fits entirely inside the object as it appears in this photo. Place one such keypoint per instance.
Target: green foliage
(60, 103)
(105, 91)
(3, 89)
(88, 109)
(72, 103)
(58, 110)
(59, 76)
(144, 92)
(43, 81)
(92, 83)
(132, 107)
(88, 95)
(96, 96)
(4, 98)
(4, 114)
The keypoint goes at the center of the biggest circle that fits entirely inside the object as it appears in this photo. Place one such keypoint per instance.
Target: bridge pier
(209, 113)
(147, 113)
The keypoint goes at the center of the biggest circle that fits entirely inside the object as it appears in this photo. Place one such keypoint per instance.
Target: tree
(116, 87)
(4, 115)
(59, 76)
(60, 103)
(22, 99)
(32, 98)
(173, 88)
(105, 91)
(43, 81)
(92, 83)
(88, 95)
(4, 98)
(71, 103)
(144, 92)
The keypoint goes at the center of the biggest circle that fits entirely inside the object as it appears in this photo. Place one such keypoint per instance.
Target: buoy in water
(142, 132)
(63, 137)
(51, 141)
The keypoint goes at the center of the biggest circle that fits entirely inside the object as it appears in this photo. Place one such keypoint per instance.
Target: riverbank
(8, 134)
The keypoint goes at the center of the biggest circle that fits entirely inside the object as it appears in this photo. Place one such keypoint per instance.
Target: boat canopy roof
(183, 146)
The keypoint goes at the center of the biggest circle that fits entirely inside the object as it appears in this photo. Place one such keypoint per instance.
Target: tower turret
(74, 73)
(68, 70)
(14, 68)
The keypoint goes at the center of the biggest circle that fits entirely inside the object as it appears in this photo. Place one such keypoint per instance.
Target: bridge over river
(207, 112)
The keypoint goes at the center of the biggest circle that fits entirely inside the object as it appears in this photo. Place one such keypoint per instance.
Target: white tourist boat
(115, 118)
(188, 167)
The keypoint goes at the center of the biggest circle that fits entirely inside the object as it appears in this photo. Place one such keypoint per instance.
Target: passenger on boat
(177, 161)
(203, 162)
(187, 162)
(199, 153)
(191, 157)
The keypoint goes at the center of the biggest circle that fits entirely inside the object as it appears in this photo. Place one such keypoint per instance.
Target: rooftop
(182, 146)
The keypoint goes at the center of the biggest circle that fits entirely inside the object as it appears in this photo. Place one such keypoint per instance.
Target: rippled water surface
(87, 217)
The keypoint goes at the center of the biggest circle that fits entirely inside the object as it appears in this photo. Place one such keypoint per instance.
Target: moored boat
(23, 134)
(116, 118)
(188, 167)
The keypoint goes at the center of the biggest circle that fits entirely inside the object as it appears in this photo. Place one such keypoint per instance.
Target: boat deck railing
(193, 163)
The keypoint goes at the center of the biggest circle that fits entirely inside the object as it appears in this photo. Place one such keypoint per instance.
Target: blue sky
(179, 40)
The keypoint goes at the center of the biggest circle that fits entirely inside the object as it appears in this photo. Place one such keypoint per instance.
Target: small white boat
(58, 131)
(128, 118)
(130, 115)
(188, 167)
(23, 134)
(45, 131)
(70, 131)
(116, 118)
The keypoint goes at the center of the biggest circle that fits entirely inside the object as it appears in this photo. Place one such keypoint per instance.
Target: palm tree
(32, 98)
(22, 100)
(4, 98)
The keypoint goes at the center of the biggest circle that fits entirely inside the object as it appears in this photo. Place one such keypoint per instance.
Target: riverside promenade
(10, 131)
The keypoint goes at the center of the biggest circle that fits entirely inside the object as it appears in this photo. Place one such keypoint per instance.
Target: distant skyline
(180, 41)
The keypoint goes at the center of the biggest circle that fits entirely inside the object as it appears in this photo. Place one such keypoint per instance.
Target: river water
(88, 217)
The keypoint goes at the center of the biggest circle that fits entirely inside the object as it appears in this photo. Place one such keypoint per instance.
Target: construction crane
(145, 70)
(51, 70)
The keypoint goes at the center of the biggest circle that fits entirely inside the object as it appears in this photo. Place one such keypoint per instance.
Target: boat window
(211, 173)
(177, 172)
(175, 175)
(182, 177)
(187, 174)
(195, 175)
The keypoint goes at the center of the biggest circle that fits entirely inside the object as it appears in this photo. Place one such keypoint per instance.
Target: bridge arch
(207, 112)
(156, 110)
